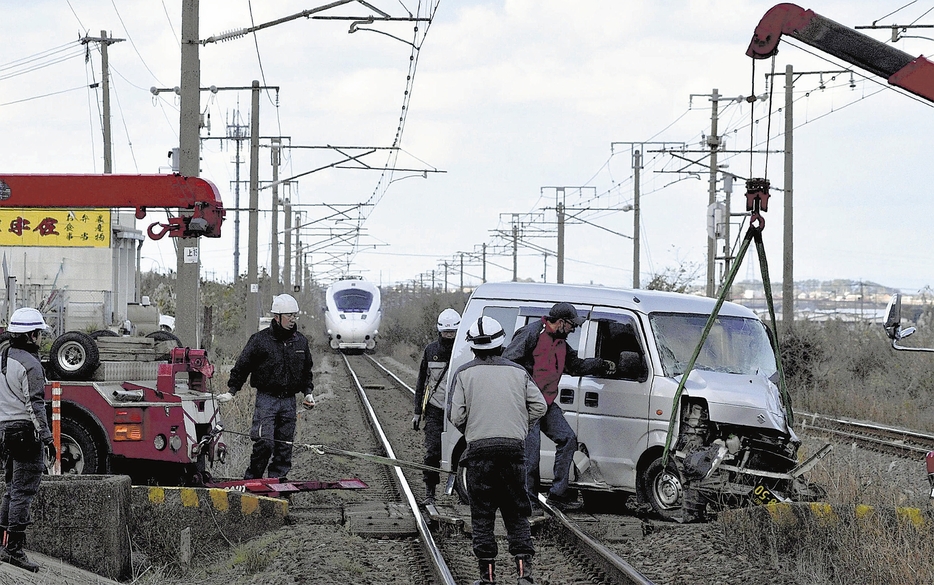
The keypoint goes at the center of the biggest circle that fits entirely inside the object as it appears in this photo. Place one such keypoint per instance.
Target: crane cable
(757, 197)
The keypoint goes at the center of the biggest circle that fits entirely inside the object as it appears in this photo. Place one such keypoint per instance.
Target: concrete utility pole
(253, 303)
(559, 208)
(298, 252)
(713, 141)
(515, 248)
(188, 257)
(105, 42)
(287, 267)
(788, 257)
(276, 279)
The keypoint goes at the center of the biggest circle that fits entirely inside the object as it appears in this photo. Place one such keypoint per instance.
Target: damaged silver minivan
(731, 441)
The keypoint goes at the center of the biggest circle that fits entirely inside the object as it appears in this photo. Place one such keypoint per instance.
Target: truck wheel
(95, 335)
(165, 336)
(74, 356)
(663, 489)
(81, 454)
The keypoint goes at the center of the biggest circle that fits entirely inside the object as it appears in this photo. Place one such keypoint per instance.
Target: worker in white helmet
(429, 396)
(24, 431)
(278, 362)
(493, 403)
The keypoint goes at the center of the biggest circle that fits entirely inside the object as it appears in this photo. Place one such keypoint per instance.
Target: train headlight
(175, 442)
(159, 442)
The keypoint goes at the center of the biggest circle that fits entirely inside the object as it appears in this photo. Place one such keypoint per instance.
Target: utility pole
(298, 251)
(515, 248)
(636, 208)
(287, 268)
(236, 132)
(188, 256)
(105, 42)
(788, 257)
(253, 296)
(713, 141)
(559, 208)
(484, 262)
(274, 270)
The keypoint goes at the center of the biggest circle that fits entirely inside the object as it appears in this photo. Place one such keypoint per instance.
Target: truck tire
(95, 335)
(165, 336)
(81, 453)
(74, 356)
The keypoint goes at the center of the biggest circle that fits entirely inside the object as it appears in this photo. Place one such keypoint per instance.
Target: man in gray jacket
(493, 403)
(24, 430)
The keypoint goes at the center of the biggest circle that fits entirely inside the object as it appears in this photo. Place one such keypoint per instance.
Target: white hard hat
(284, 304)
(448, 320)
(25, 320)
(486, 333)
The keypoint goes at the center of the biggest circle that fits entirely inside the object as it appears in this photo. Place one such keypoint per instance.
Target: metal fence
(63, 309)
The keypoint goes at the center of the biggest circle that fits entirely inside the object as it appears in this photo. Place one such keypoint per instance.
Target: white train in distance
(352, 314)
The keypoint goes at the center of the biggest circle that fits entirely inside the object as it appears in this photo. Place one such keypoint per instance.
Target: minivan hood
(738, 399)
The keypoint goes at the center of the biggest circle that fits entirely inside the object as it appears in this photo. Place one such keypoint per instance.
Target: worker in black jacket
(541, 347)
(278, 362)
(429, 396)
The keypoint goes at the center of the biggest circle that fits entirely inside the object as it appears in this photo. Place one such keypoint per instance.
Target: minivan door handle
(591, 399)
(566, 396)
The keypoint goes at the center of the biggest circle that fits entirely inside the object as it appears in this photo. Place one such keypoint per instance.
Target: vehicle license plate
(762, 495)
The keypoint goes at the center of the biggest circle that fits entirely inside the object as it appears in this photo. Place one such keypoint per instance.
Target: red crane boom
(134, 191)
(914, 74)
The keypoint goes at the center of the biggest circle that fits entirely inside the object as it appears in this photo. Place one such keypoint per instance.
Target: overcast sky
(509, 99)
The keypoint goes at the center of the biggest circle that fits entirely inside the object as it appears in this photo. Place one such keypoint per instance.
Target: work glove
(415, 421)
(309, 402)
(50, 451)
(610, 367)
(225, 397)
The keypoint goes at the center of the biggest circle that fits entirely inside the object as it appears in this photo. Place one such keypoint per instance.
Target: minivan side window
(617, 342)
(506, 316)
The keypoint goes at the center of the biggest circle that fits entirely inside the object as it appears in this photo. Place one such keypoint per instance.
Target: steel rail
(880, 437)
(440, 567)
(617, 569)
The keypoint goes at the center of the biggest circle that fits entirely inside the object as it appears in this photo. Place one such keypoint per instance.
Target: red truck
(167, 432)
(151, 419)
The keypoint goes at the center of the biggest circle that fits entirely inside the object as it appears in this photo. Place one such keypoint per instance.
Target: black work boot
(429, 496)
(524, 569)
(487, 572)
(13, 552)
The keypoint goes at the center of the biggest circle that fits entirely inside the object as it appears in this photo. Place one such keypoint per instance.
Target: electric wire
(129, 37)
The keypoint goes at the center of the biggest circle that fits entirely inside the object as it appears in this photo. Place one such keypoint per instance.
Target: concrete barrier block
(214, 516)
(82, 520)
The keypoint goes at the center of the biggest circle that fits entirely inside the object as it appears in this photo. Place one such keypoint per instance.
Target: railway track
(566, 552)
(882, 438)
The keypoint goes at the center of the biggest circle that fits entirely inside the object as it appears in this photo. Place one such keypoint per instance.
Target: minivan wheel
(663, 489)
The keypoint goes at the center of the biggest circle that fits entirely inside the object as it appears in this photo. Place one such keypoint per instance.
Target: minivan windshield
(735, 345)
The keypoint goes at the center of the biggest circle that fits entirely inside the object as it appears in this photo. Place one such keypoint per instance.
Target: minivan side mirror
(893, 325)
(893, 317)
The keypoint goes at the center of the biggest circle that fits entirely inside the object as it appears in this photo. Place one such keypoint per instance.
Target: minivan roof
(643, 301)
